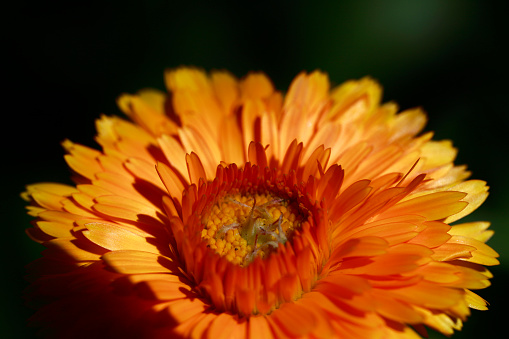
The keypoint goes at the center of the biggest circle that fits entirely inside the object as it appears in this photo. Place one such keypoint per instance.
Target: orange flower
(227, 210)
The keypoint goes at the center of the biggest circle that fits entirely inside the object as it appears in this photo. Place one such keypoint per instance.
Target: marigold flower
(229, 210)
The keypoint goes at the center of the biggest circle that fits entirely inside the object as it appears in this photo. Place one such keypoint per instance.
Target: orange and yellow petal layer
(226, 209)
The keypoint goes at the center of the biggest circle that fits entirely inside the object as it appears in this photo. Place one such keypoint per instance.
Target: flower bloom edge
(373, 253)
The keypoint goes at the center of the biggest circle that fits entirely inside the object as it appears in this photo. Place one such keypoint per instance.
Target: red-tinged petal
(292, 157)
(330, 184)
(256, 155)
(349, 198)
(245, 299)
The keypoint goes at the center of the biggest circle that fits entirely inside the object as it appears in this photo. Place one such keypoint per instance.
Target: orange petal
(208, 150)
(231, 143)
(256, 86)
(55, 229)
(294, 320)
(174, 153)
(270, 134)
(124, 208)
(147, 110)
(171, 181)
(259, 328)
(225, 326)
(433, 206)
(195, 168)
(136, 262)
(226, 90)
(394, 309)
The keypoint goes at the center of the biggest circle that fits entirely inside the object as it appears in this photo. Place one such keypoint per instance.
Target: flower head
(226, 209)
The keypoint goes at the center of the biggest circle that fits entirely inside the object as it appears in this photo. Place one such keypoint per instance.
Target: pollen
(242, 227)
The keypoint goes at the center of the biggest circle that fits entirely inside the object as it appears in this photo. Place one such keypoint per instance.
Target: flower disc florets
(242, 227)
(248, 238)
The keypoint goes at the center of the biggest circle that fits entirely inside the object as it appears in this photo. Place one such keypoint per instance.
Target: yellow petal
(477, 192)
(113, 237)
(475, 230)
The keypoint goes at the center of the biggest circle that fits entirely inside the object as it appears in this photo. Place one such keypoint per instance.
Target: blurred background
(67, 63)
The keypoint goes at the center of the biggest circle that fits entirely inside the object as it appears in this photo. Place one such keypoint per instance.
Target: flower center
(241, 227)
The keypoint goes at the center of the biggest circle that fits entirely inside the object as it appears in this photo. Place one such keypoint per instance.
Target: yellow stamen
(241, 227)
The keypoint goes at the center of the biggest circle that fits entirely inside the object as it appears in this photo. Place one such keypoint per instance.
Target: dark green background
(68, 62)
